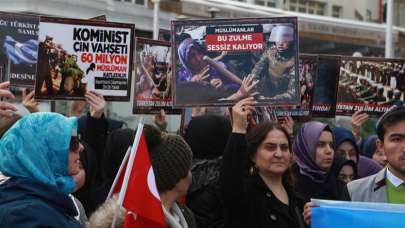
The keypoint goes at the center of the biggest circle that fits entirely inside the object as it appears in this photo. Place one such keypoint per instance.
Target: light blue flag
(333, 214)
(21, 53)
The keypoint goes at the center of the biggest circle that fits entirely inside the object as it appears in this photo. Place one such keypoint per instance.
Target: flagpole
(134, 149)
(119, 172)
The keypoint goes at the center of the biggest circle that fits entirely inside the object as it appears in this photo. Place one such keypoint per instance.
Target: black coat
(93, 139)
(307, 189)
(204, 196)
(248, 201)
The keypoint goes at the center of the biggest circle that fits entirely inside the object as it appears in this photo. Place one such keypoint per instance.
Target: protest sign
(79, 55)
(308, 69)
(153, 77)
(219, 62)
(19, 42)
(371, 85)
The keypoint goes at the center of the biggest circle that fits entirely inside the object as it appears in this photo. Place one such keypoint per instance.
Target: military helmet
(282, 33)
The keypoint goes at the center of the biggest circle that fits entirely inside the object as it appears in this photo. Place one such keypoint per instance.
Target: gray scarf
(171, 220)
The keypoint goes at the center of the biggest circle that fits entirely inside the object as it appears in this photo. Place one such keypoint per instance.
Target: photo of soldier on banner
(153, 77)
(19, 47)
(219, 62)
(308, 69)
(75, 56)
(324, 99)
(371, 85)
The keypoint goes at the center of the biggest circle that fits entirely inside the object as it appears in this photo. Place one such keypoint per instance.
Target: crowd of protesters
(222, 171)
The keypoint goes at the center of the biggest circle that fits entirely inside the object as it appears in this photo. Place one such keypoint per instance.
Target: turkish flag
(142, 199)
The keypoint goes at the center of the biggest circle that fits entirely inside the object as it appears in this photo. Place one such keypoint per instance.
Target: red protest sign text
(235, 42)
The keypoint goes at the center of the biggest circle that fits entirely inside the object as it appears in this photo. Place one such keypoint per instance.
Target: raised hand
(202, 75)
(248, 84)
(288, 124)
(160, 120)
(29, 102)
(96, 102)
(358, 119)
(240, 112)
(6, 109)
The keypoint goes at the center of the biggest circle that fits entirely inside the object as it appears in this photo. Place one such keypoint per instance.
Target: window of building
(269, 3)
(305, 6)
(137, 2)
(336, 11)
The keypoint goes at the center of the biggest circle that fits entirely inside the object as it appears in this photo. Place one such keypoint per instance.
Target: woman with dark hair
(255, 180)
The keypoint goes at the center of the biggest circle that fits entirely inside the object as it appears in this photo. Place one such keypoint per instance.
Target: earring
(253, 170)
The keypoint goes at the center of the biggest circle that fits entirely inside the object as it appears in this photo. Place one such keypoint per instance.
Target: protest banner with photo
(19, 41)
(153, 77)
(79, 55)
(324, 99)
(308, 69)
(219, 62)
(371, 85)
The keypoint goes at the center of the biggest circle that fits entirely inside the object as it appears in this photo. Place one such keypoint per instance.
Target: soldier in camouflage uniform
(275, 69)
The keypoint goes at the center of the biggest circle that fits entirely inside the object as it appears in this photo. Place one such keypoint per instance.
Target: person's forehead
(346, 145)
(325, 135)
(275, 136)
(395, 129)
(347, 168)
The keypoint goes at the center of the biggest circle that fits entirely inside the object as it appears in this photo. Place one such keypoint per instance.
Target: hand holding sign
(29, 102)
(6, 109)
(97, 103)
(358, 119)
(240, 112)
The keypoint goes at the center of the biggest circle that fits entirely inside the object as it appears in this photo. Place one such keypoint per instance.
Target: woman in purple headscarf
(313, 150)
(196, 67)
